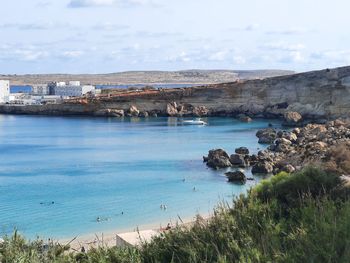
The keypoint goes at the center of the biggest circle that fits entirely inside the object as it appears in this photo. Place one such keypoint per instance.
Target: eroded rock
(292, 118)
(218, 159)
(242, 150)
(236, 177)
(262, 168)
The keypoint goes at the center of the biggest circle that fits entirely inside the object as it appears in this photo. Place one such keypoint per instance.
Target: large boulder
(236, 177)
(133, 111)
(144, 114)
(292, 118)
(218, 159)
(110, 113)
(266, 136)
(172, 109)
(262, 168)
(242, 150)
(200, 111)
(283, 141)
(238, 160)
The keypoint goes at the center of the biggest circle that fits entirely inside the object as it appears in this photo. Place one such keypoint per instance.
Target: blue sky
(102, 36)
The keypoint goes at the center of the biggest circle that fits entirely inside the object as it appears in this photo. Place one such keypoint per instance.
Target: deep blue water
(100, 167)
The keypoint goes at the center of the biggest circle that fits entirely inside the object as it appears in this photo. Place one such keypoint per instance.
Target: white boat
(197, 121)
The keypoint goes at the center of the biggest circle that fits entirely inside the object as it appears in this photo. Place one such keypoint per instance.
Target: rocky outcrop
(217, 159)
(236, 177)
(317, 95)
(238, 160)
(292, 118)
(133, 111)
(171, 109)
(144, 114)
(200, 111)
(263, 167)
(109, 113)
(242, 150)
(266, 136)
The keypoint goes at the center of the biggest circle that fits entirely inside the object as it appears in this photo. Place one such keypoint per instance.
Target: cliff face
(324, 93)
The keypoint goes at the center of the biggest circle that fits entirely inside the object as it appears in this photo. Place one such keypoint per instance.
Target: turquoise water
(58, 174)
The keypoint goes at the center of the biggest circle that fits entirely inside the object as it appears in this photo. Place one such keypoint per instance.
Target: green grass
(302, 217)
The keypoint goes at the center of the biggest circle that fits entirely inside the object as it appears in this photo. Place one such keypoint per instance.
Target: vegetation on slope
(300, 217)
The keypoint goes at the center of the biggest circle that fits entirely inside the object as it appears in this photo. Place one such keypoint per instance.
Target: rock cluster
(288, 150)
(175, 109)
(292, 150)
(220, 159)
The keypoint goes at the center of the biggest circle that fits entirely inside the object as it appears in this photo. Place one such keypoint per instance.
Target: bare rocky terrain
(149, 77)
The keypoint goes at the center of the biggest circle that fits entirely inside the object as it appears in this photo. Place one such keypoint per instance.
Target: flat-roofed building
(73, 89)
(41, 89)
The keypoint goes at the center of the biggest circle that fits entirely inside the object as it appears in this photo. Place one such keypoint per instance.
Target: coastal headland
(318, 95)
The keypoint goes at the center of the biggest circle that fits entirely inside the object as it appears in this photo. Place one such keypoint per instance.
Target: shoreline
(108, 238)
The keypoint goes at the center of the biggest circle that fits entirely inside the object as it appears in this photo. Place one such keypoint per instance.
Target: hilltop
(149, 77)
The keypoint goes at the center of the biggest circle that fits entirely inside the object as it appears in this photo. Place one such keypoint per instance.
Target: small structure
(135, 238)
(4, 90)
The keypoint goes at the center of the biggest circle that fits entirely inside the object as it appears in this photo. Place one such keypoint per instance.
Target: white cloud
(72, 53)
(108, 26)
(239, 60)
(289, 31)
(219, 55)
(42, 25)
(182, 56)
(123, 3)
(283, 46)
(337, 56)
(88, 3)
(252, 27)
(29, 55)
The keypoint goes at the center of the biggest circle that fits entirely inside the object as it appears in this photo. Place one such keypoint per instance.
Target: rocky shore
(290, 150)
(316, 95)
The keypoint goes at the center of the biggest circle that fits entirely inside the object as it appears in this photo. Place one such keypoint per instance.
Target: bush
(288, 189)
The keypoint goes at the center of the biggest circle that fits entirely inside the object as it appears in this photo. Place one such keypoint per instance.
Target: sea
(67, 176)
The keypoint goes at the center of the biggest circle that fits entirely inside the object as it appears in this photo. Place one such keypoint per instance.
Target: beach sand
(109, 238)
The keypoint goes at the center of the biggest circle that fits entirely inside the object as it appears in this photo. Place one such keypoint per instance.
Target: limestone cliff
(324, 93)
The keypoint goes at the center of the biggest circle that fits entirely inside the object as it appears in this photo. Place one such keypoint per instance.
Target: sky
(105, 36)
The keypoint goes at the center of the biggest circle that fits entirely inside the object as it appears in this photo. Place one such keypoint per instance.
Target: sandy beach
(109, 238)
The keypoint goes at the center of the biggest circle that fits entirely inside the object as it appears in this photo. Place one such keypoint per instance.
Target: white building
(73, 89)
(4, 90)
(74, 83)
(41, 89)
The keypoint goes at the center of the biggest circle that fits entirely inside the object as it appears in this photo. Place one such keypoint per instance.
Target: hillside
(149, 77)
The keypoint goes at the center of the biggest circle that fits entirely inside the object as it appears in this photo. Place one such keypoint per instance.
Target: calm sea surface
(59, 174)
